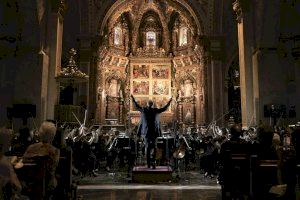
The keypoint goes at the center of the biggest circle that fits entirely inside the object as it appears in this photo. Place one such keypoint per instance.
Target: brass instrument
(179, 154)
(113, 144)
(88, 138)
(250, 134)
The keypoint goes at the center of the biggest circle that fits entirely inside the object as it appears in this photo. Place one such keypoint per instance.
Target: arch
(119, 3)
(145, 10)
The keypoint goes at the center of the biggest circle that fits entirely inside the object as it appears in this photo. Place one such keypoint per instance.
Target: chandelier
(71, 73)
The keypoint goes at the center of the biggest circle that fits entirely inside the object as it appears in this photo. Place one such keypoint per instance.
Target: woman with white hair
(46, 150)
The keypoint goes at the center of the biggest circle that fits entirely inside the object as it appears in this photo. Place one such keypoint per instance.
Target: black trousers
(151, 147)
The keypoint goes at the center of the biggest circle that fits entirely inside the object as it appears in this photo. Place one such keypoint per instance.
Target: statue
(114, 88)
(187, 88)
(188, 116)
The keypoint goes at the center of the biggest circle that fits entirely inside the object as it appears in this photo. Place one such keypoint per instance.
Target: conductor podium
(162, 172)
(143, 174)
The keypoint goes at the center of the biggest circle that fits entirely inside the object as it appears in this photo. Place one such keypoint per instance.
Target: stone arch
(155, 9)
(124, 6)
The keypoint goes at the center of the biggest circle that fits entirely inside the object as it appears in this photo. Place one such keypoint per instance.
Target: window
(150, 38)
(183, 37)
(118, 36)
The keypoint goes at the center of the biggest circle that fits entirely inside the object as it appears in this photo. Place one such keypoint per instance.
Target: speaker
(267, 110)
(275, 110)
(292, 112)
(9, 112)
(24, 110)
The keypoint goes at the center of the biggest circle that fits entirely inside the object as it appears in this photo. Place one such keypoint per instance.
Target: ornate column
(120, 117)
(217, 91)
(245, 62)
(201, 80)
(180, 113)
(100, 85)
(194, 111)
(55, 31)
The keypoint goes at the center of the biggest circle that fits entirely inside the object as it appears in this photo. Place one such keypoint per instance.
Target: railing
(63, 113)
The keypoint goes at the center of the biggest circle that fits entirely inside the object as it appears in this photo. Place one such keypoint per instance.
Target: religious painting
(186, 61)
(140, 71)
(115, 61)
(142, 101)
(160, 88)
(178, 62)
(123, 62)
(140, 87)
(160, 72)
(188, 113)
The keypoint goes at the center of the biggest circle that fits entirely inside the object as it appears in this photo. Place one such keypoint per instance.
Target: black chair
(33, 178)
(66, 188)
(235, 176)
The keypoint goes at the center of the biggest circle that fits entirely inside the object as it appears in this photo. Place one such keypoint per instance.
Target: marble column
(217, 91)
(121, 111)
(274, 76)
(54, 39)
(245, 62)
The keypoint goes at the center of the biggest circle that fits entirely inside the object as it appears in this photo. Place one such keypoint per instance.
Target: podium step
(143, 174)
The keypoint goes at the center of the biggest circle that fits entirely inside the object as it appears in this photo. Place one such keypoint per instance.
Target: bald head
(150, 103)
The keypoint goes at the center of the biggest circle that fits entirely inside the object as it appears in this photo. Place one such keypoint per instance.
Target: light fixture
(71, 73)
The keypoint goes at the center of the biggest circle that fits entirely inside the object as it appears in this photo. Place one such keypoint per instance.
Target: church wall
(275, 67)
(22, 74)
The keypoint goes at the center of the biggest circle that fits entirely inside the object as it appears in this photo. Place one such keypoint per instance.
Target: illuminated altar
(153, 54)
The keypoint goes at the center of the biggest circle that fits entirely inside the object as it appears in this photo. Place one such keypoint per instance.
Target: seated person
(45, 149)
(9, 182)
(266, 148)
(234, 172)
(21, 141)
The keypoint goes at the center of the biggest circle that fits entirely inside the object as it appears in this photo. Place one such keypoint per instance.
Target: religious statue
(188, 116)
(187, 88)
(114, 88)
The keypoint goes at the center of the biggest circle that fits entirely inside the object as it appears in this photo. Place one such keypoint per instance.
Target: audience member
(45, 149)
(9, 182)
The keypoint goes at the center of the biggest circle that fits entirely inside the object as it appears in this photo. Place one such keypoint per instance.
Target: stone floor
(118, 185)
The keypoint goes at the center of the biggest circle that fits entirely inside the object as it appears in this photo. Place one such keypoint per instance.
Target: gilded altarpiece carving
(111, 84)
(156, 55)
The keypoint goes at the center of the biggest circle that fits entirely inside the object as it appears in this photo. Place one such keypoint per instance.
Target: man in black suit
(149, 127)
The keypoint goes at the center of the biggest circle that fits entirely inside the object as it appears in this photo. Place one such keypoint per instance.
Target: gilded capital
(59, 6)
(237, 8)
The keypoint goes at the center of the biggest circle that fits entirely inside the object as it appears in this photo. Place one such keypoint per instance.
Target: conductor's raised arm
(163, 109)
(136, 105)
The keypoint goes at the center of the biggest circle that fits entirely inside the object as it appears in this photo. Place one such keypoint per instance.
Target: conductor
(149, 127)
